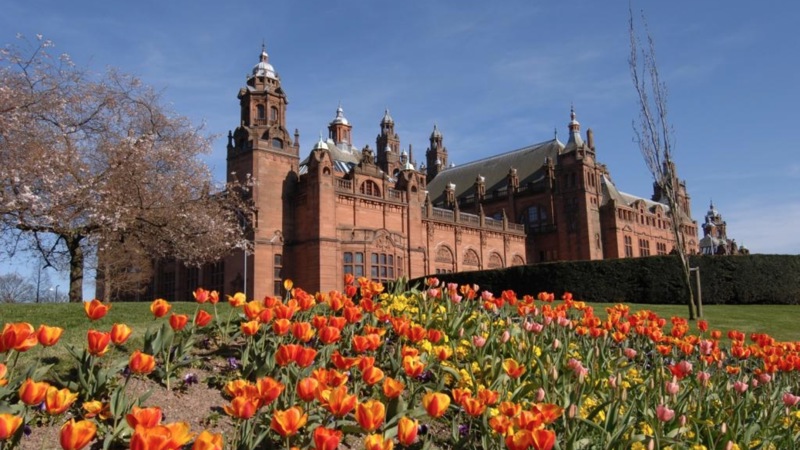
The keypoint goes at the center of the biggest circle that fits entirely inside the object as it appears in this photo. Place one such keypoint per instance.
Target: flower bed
(445, 367)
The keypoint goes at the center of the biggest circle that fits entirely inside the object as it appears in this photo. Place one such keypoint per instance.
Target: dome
(340, 119)
(436, 133)
(320, 145)
(264, 68)
(387, 119)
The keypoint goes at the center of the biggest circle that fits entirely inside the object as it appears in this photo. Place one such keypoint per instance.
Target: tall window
(354, 263)
(644, 247)
(628, 247)
(381, 267)
(277, 267)
(260, 111)
(661, 248)
(273, 113)
(534, 218)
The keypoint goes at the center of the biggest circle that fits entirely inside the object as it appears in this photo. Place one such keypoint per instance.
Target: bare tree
(123, 269)
(655, 136)
(92, 159)
(14, 288)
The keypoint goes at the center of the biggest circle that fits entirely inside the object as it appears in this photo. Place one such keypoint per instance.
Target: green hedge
(751, 279)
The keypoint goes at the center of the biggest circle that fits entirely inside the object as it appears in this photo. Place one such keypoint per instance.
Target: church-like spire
(574, 126)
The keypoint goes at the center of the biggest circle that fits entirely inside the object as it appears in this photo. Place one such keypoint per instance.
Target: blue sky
(494, 76)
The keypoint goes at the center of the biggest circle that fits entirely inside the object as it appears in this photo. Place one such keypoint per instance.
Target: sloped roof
(610, 192)
(527, 160)
(344, 156)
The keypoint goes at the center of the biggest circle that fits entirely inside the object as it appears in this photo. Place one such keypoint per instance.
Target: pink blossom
(540, 395)
(505, 336)
(478, 341)
(764, 378)
(433, 293)
(629, 353)
(664, 414)
(706, 347)
(703, 378)
(577, 367)
(547, 320)
(487, 296)
(612, 381)
(534, 327)
(563, 322)
(556, 344)
(740, 387)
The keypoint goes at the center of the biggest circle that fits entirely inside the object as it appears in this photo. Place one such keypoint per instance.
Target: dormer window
(277, 143)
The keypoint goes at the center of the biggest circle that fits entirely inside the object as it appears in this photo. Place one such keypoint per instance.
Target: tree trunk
(75, 269)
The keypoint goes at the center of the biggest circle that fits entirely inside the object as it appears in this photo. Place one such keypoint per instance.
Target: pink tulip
(672, 387)
(612, 381)
(478, 341)
(740, 387)
(703, 378)
(540, 395)
(706, 347)
(764, 378)
(556, 344)
(534, 327)
(790, 400)
(564, 322)
(629, 353)
(505, 336)
(664, 414)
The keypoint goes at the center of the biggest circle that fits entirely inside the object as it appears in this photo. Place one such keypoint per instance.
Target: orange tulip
(281, 326)
(208, 441)
(201, 295)
(413, 366)
(120, 333)
(287, 354)
(250, 328)
(543, 439)
(473, 406)
(238, 299)
(141, 363)
(407, 430)
(343, 362)
(372, 375)
(57, 401)
(160, 307)
(513, 368)
(242, 407)
(268, 390)
(307, 388)
(19, 336)
(9, 424)
(435, 404)
(521, 440)
(326, 439)
(76, 435)
(488, 396)
(144, 417)
(49, 336)
(235, 388)
(377, 442)
(202, 318)
(178, 321)
(339, 402)
(3, 371)
(329, 335)
(98, 342)
(302, 331)
(162, 437)
(96, 408)
(253, 309)
(288, 422)
(213, 297)
(392, 388)
(95, 309)
(370, 415)
(305, 356)
(547, 412)
(32, 393)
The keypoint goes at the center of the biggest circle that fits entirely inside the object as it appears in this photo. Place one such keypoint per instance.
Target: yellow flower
(699, 447)
(537, 351)
(645, 428)
(638, 446)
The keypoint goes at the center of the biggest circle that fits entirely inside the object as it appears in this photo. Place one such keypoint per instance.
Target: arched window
(517, 261)
(260, 111)
(443, 261)
(369, 187)
(277, 143)
(273, 113)
(495, 261)
(471, 260)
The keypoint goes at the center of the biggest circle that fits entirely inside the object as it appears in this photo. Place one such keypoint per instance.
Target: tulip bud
(682, 420)
(723, 428)
(556, 344)
(624, 396)
(651, 444)
(540, 395)
(553, 373)
(729, 445)
(573, 411)
(505, 336)
(612, 381)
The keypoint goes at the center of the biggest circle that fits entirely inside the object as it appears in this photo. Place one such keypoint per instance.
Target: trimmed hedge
(750, 279)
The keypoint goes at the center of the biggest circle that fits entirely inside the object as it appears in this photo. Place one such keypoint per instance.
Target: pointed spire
(320, 145)
(574, 126)
(340, 116)
(387, 118)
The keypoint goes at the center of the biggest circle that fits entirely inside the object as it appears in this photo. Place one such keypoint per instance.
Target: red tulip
(178, 321)
(208, 441)
(339, 402)
(95, 309)
(372, 375)
(242, 407)
(57, 401)
(19, 336)
(377, 442)
(307, 388)
(201, 295)
(144, 417)
(160, 307)
(98, 342)
(268, 390)
(202, 318)
(513, 368)
(326, 439)
(392, 388)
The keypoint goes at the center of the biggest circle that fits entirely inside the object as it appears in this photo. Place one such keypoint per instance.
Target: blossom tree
(91, 159)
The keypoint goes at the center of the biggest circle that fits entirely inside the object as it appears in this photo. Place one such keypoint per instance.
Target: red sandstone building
(336, 209)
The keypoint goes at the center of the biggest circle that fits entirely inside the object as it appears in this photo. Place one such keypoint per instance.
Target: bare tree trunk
(75, 269)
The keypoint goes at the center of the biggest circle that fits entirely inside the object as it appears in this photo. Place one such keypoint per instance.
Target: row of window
(261, 113)
(644, 247)
(382, 267)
